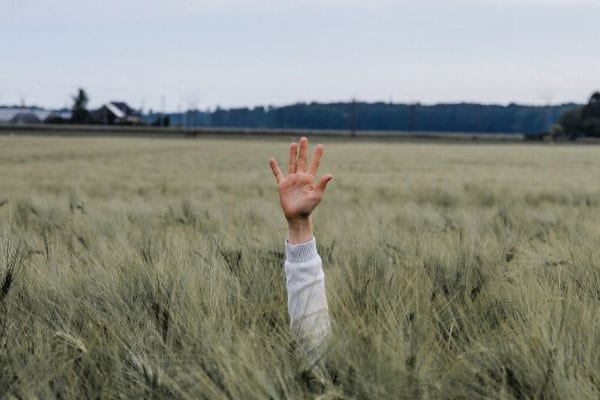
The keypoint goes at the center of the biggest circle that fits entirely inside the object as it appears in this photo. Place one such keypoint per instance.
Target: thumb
(322, 184)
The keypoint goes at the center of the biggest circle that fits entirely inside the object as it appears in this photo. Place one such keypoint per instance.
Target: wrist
(300, 230)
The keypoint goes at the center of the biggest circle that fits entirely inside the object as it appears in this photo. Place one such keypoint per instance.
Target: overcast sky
(244, 53)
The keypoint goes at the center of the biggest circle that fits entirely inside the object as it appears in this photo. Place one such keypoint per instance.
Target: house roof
(115, 110)
(121, 105)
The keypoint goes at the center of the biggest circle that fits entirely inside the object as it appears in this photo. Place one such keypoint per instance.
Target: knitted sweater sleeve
(307, 303)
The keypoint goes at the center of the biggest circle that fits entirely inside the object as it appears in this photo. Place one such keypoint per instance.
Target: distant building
(24, 115)
(116, 112)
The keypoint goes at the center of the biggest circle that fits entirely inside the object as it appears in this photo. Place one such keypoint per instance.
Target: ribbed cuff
(302, 252)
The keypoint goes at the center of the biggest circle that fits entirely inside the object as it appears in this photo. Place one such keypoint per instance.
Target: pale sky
(244, 53)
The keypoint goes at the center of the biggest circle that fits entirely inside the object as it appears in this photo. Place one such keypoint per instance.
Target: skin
(299, 191)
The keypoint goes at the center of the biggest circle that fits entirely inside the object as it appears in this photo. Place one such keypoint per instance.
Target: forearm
(307, 301)
(300, 230)
(299, 194)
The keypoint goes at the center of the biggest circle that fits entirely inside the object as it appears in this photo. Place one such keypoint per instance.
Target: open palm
(299, 192)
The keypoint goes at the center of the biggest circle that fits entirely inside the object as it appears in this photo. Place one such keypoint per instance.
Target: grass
(135, 268)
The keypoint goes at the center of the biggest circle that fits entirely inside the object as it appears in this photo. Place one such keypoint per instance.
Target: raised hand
(299, 193)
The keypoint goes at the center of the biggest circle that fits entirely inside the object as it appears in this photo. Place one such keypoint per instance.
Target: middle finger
(303, 155)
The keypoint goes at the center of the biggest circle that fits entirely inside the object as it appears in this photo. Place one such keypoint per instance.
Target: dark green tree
(79, 111)
(583, 120)
(570, 121)
(590, 116)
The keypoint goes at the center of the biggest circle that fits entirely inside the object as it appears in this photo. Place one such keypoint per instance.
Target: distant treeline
(463, 117)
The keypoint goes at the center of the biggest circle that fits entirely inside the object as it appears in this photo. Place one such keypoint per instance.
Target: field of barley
(134, 268)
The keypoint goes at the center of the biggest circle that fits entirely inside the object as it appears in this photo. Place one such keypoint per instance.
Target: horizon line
(301, 102)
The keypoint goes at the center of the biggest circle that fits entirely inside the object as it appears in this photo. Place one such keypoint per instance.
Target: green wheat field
(150, 269)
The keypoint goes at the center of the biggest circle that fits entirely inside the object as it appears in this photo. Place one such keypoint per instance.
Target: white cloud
(265, 51)
(29, 8)
(570, 3)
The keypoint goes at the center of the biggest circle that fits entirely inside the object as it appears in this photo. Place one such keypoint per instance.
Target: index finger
(292, 159)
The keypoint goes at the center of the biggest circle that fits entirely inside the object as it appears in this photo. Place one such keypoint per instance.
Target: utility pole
(353, 118)
(163, 102)
(180, 114)
(412, 117)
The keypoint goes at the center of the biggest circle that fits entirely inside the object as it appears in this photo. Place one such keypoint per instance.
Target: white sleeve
(307, 303)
